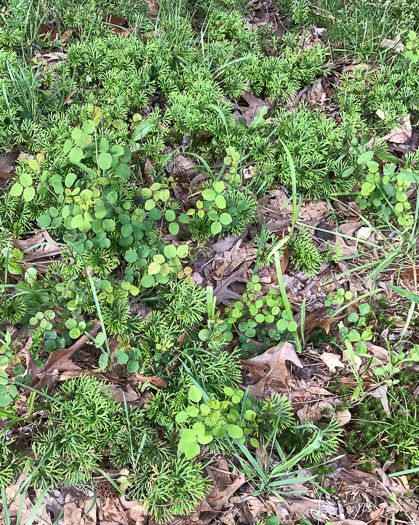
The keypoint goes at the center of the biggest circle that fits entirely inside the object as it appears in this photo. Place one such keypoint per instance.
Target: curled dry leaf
(59, 360)
(38, 246)
(395, 44)
(399, 134)
(137, 515)
(113, 512)
(332, 361)
(381, 394)
(343, 416)
(155, 381)
(270, 368)
(225, 484)
(313, 322)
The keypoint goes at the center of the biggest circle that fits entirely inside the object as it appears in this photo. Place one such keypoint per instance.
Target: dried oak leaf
(271, 368)
(221, 291)
(225, 484)
(312, 322)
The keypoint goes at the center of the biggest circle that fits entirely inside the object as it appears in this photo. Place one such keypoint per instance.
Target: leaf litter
(228, 267)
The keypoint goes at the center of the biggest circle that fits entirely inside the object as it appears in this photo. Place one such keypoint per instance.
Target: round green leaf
(126, 230)
(71, 323)
(70, 180)
(44, 221)
(194, 394)
(188, 436)
(170, 251)
(5, 400)
(174, 228)
(181, 417)
(103, 361)
(218, 431)
(16, 190)
(131, 256)
(105, 161)
(234, 431)
(220, 202)
(364, 308)
(28, 194)
(76, 154)
(123, 171)
(225, 219)
(155, 214)
(216, 227)
(208, 195)
(25, 179)
(292, 326)
(148, 281)
(170, 215)
(198, 428)
(192, 450)
(205, 438)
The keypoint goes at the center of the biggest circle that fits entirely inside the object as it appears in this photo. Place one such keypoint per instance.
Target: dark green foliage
(304, 253)
(10, 463)
(395, 437)
(176, 489)
(184, 303)
(81, 420)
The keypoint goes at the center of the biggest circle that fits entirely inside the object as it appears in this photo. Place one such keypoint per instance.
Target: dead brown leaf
(225, 263)
(153, 7)
(68, 100)
(59, 360)
(381, 394)
(155, 381)
(137, 515)
(269, 370)
(410, 274)
(332, 361)
(225, 484)
(401, 133)
(113, 513)
(313, 322)
(255, 105)
(395, 44)
(221, 291)
(317, 94)
(48, 246)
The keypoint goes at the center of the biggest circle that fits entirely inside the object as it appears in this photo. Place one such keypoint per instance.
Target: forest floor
(209, 225)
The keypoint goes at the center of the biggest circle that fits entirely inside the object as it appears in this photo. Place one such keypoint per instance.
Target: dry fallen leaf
(58, 361)
(332, 361)
(343, 416)
(395, 44)
(400, 134)
(381, 394)
(225, 484)
(113, 512)
(312, 322)
(155, 381)
(270, 367)
(137, 515)
(48, 246)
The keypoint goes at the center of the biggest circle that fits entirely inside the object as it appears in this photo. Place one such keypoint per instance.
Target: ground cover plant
(208, 269)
